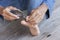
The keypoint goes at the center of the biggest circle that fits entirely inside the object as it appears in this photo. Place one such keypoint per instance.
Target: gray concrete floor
(15, 31)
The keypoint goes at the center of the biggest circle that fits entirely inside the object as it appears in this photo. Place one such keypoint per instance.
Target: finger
(23, 22)
(10, 14)
(41, 16)
(37, 17)
(35, 20)
(32, 21)
(12, 8)
(32, 11)
(13, 15)
(7, 10)
(7, 17)
(27, 18)
(33, 16)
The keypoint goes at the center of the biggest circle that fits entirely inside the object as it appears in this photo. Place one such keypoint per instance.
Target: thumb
(23, 22)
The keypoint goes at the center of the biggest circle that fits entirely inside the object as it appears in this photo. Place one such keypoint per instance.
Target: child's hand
(8, 15)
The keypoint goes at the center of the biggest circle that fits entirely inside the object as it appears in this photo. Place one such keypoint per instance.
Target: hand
(8, 15)
(32, 22)
(34, 18)
(33, 28)
(36, 15)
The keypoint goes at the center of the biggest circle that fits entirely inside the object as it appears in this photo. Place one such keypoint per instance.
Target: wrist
(1, 10)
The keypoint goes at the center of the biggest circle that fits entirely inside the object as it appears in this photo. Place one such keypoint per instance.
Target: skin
(31, 21)
(5, 12)
(1, 9)
(35, 17)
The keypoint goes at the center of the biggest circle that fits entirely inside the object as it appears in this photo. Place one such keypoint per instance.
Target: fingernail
(18, 17)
